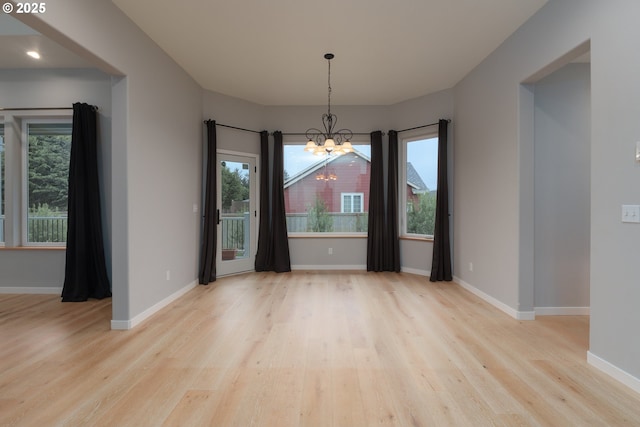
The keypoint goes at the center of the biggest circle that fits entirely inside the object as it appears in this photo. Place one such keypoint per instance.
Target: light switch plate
(630, 213)
(638, 152)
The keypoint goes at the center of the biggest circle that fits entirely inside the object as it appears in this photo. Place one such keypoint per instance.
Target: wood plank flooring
(303, 349)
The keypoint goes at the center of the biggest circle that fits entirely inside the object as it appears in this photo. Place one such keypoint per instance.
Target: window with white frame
(46, 155)
(419, 156)
(352, 202)
(326, 194)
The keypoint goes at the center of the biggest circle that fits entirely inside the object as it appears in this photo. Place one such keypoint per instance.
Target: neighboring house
(347, 193)
(415, 186)
(342, 182)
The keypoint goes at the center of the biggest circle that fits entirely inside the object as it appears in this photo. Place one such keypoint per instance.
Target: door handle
(218, 216)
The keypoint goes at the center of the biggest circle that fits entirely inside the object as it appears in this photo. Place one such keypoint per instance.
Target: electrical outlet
(168, 274)
(470, 266)
(330, 251)
(630, 213)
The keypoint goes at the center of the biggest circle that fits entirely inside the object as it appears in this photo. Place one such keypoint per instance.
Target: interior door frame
(236, 266)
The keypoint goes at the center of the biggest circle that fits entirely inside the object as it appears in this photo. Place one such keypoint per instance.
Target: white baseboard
(328, 267)
(416, 271)
(562, 311)
(53, 290)
(613, 371)
(520, 315)
(132, 323)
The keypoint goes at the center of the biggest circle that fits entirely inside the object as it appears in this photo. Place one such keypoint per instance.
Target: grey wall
(33, 88)
(562, 165)
(156, 153)
(492, 170)
(313, 252)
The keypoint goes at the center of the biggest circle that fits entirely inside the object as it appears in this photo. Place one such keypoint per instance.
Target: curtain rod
(36, 109)
(304, 134)
(271, 133)
(232, 127)
(422, 126)
(41, 108)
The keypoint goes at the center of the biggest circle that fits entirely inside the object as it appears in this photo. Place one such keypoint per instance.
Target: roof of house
(414, 180)
(413, 177)
(318, 165)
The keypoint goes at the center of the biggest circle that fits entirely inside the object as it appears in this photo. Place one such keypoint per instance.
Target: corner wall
(488, 177)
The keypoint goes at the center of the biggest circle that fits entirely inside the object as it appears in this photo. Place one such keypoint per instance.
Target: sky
(423, 155)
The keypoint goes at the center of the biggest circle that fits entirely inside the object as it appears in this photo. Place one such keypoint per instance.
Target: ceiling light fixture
(33, 54)
(329, 141)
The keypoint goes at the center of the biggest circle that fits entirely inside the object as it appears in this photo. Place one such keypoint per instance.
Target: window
(352, 202)
(2, 209)
(326, 194)
(45, 180)
(419, 184)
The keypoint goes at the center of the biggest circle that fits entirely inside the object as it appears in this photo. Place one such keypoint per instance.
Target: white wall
(156, 154)
(491, 174)
(562, 188)
(34, 269)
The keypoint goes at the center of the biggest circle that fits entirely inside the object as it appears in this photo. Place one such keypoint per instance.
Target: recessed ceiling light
(33, 54)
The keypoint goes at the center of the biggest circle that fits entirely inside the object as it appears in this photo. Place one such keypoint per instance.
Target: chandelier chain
(329, 91)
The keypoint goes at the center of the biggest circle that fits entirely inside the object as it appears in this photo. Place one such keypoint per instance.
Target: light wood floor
(302, 349)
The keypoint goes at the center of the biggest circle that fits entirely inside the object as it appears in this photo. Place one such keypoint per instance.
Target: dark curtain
(209, 233)
(376, 223)
(85, 274)
(392, 244)
(441, 260)
(263, 254)
(279, 237)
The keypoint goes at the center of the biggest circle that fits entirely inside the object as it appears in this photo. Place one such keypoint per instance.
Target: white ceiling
(271, 52)
(16, 39)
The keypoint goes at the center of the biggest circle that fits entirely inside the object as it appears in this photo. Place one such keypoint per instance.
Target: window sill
(327, 236)
(33, 248)
(417, 238)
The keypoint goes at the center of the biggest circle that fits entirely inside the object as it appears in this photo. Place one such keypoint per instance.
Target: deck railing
(235, 232)
(49, 229)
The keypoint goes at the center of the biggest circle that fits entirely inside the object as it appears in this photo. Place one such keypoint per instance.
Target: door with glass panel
(236, 214)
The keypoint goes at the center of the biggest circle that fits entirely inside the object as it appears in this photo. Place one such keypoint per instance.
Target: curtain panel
(441, 259)
(279, 237)
(209, 238)
(85, 267)
(391, 240)
(376, 222)
(263, 254)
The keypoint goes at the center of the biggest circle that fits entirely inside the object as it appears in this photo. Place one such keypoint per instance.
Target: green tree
(49, 157)
(235, 187)
(421, 219)
(318, 218)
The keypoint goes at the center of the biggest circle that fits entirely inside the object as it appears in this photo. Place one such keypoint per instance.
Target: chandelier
(329, 141)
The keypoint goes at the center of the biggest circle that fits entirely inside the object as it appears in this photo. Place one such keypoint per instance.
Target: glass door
(237, 241)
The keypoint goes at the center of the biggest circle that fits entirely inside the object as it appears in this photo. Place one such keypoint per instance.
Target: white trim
(415, 271)
(50, 290)
(613, 371)
(132, 323)
(329, 267)
(519, 315)
(562, 311)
